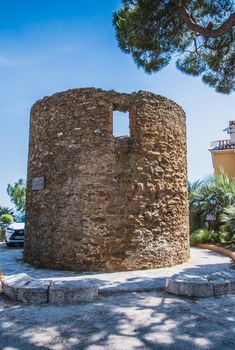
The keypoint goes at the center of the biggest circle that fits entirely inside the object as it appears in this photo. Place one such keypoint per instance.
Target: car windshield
(21, 218)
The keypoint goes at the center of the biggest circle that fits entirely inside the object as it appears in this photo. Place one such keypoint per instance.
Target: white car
(15, 232)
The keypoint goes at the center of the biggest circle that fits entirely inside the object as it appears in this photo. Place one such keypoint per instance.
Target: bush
(6, 210)
(206, 236)
(6, 218)
(228, 223)
(2, 234)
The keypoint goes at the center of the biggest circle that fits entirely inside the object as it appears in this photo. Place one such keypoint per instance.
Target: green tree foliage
(5, 210)
(6, 218)
(199, 33)
(17, 194)
(228, 223)
(195, 221)
(205, 236)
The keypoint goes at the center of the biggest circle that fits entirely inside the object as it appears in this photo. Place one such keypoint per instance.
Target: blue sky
(53, 45)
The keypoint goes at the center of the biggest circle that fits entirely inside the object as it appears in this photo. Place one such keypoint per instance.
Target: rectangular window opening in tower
(121, 124)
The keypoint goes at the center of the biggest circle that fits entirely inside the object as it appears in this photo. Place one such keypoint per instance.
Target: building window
(121, 124)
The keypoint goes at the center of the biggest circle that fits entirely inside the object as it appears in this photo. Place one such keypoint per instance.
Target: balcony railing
(222, 144)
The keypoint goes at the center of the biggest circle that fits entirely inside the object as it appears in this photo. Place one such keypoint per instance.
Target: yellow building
(223, 153)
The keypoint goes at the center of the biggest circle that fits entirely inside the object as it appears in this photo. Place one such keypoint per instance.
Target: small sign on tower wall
(38, 183)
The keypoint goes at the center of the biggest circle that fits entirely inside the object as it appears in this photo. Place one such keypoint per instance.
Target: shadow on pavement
(123, 322)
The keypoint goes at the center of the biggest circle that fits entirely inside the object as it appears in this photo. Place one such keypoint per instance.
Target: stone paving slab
(11, 284)
(221, 285)
(23, 288)
(72, 292)
(188, 285)
(35, 292)
(216, 284)
(231, 277)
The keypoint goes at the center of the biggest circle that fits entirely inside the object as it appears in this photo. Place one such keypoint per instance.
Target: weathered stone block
(72, 292)
(35, 292)
(221, 284)
(187, 285)
(11, 284)
(231, 277)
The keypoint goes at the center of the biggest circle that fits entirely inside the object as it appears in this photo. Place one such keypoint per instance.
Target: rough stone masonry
(99, 202)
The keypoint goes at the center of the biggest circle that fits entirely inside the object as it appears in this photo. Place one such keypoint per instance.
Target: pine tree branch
(207, 32)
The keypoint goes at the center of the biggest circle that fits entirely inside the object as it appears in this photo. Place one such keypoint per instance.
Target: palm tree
(228, 222)
(194, 214)
(212, 198)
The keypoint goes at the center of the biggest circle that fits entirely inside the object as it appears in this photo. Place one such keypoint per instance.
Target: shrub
(2, 234)
(205, 236)
(228, 223)
(6, 218)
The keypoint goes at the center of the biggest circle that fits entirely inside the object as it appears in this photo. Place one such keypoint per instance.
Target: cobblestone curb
(23, 288)
(26, 289)
(216, 284)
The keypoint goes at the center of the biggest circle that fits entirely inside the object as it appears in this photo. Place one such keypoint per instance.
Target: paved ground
(202, 262)
(133, 321)
(130, 321)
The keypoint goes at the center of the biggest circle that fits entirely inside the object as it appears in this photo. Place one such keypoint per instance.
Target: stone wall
(107, 203)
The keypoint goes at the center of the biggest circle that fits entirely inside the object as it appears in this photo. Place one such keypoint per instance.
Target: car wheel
(9, 245)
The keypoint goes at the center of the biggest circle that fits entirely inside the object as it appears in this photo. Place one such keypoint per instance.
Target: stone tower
(99, 202)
